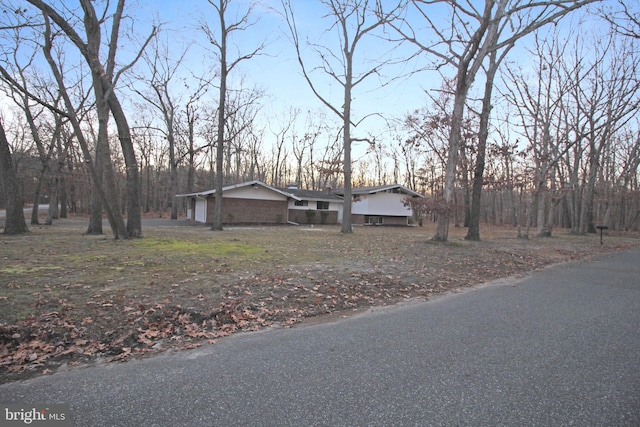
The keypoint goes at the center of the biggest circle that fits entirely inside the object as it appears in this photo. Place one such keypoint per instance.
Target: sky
(277, 72)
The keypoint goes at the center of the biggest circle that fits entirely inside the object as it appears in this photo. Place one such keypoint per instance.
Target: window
(322, 206)
(373, 220)
(302, 203)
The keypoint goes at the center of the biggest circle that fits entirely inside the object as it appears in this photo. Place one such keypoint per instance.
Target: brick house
(251, 202)
(255, 202)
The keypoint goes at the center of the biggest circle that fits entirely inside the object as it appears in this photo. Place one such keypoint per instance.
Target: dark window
(302, 203)
(323, 205)
(373, 220)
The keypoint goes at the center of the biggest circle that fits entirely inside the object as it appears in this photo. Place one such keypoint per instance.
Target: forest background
(118, 108)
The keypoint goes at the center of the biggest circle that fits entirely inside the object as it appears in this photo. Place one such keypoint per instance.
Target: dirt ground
(67, 298)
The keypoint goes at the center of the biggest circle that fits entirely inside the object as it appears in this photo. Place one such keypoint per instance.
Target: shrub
(311, 214)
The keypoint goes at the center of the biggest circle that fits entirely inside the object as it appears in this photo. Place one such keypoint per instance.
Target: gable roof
(240, 185)
(380, 189)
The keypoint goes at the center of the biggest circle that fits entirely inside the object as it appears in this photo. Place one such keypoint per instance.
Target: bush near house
(310, 214)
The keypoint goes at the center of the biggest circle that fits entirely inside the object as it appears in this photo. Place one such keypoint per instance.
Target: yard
(67, 298)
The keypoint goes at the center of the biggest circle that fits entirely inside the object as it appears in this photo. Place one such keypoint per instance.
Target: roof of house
(312, 194)
(299, 194)
(240, 185)
(379, 189)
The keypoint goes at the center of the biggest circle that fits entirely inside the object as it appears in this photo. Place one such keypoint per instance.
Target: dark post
(601, 228)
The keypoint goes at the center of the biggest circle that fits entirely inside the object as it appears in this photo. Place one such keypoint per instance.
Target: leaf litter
(158, 299)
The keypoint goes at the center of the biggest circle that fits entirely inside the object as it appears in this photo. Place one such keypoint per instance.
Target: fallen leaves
(36, 343)
(75, 317)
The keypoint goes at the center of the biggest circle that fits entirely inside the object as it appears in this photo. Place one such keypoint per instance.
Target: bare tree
(163, 67)
(20, 55)
(107, 193)
(220, 42)
(44, 29)
(281, 154)
(608, 98)
(53, 125)
(625, 18)
(352, 21)
(495, 58)
(571, 113)
(104, 81)
(464, 41)
(539, 103)
(192, 111)
(14, 219)
(241, 111)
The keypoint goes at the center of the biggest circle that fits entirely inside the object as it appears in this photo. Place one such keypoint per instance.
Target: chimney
(328, 189)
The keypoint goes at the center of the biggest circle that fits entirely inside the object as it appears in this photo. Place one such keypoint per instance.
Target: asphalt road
(559, 348)
(80, 222)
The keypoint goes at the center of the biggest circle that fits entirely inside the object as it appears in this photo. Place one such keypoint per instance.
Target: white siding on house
(360, 205)
(333, 206)
(381, 203)
(253, 192)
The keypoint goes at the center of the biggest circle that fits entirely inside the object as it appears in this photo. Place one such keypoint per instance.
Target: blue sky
(277, 70)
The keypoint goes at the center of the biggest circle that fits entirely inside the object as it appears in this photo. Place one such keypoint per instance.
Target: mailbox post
(601, 228)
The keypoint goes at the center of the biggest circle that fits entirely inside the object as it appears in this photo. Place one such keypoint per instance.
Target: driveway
(559, 348)
(78, 222)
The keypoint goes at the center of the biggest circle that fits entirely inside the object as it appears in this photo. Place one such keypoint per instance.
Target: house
(255, 202)
(251, 202)
(381, 205)
(314, 207)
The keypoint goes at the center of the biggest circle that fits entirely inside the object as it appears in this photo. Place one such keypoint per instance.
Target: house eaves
(379, 189)
(253, 183)
(313, 195)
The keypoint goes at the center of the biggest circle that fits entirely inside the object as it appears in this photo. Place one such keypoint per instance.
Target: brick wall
(357, 219)
(249, 211)
(300, 216)
(395, 220)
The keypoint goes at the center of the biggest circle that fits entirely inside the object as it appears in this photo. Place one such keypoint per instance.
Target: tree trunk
(14, 220)
(95, 204)
(52, 211)
(543, 212)
(217, 215)
(347, 226)
(444, 211)
(173, 188)
(134, 211)
(107, 179)
(36, 197)
(473, 233)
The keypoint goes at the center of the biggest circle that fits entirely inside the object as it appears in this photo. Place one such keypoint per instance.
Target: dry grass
(66, 297)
